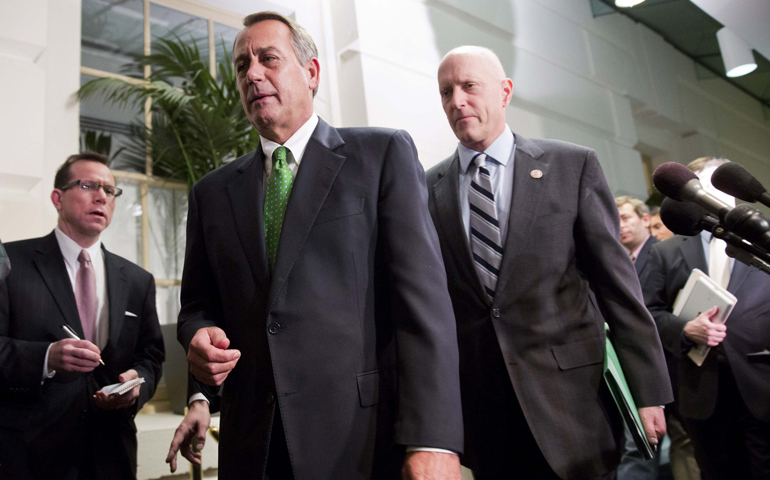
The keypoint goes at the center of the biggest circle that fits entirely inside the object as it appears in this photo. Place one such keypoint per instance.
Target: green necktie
(276, 199)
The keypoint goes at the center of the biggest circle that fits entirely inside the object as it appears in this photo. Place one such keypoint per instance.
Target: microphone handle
(742, 247)
(747, 258)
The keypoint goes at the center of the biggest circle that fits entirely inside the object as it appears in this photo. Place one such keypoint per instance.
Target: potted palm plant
(197, 120)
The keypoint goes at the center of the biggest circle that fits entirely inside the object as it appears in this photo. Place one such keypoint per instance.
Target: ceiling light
(736, 53)
(627, 3)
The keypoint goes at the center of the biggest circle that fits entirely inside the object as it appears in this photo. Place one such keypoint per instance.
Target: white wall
(607, 83)
(39, 71)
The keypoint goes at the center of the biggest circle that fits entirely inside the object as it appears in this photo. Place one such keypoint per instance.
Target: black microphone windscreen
(735, 180)
(670, 177)
(682, 218)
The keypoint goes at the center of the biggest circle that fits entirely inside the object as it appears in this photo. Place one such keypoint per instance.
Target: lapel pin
(536, 173)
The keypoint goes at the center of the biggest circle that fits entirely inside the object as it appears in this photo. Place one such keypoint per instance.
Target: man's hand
(654, 422)
(70, 355)
(114, 401)
(703, 331)
(431, 466)
(190, 435)
(209, 359)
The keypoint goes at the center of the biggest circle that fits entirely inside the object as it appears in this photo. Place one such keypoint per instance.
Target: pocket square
(129, 314)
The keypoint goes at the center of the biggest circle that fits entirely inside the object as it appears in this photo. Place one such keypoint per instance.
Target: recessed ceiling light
(627, 3)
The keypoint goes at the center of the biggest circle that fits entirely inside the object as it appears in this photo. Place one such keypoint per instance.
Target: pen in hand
(71, 333)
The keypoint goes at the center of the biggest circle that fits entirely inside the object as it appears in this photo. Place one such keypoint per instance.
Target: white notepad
(699, 294)
(121, 388)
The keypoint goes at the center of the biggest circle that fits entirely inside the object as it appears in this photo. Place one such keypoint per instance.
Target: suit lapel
(315, 177)
(525, 202)
(644, 254)
(50, 263)
(248, 204)
(692, 251)
(447, 195)
(117, 295)
(737, 276)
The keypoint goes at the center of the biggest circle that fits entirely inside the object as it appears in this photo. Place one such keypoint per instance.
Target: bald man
(528, 228)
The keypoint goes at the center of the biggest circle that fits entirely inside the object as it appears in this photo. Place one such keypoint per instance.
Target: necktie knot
(84, 258)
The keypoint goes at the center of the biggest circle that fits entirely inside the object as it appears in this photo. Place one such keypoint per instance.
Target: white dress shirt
(500, 167)
(70, 250)
(297, 144)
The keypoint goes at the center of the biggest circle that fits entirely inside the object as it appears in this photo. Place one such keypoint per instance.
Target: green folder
(616, 381)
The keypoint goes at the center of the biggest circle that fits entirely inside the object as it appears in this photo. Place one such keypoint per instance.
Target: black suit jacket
(562, 244)
(748, 328)
(48, 418)
(352, 335)
(644, 256)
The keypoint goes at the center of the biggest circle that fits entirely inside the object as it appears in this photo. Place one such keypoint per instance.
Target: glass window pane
(168, 223)
(226, 34)
(177, 26)
(112, 35)
(112, 131)
(167, 303)
(124, 235)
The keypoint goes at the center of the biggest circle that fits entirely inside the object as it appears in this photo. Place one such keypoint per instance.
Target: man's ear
(507, 91)
(646, 220)
(56, 199)
(313, 69)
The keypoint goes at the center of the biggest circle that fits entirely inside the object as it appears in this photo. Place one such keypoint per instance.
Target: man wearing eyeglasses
(54, 421)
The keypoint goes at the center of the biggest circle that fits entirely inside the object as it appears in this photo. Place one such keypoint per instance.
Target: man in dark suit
(635, 236)
(53, 422)
(724, 401)
(313, 282)
(528, 229)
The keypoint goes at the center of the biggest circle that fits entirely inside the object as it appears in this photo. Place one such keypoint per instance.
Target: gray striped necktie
(486, 244)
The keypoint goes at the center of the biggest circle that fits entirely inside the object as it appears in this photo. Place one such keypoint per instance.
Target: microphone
(735, 180)
(747, 222)
(686, 219)
(690, 219)
(675, 181)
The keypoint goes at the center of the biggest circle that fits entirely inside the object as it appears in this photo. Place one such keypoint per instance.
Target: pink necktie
(85, 296)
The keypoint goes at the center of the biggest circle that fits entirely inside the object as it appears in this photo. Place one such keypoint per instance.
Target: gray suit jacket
(353, 334)
(562, 245)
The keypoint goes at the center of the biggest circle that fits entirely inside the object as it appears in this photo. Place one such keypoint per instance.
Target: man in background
(658, 229)
(635, 230)
(53, 421)
(528, 228)
(724, 402)
(635, 236)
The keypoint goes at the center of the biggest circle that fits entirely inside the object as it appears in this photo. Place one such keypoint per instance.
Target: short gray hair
(301, 41)
(640, 207)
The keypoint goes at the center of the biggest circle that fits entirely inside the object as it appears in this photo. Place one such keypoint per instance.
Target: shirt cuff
(429, 449)
(47, 373)
(197, 396)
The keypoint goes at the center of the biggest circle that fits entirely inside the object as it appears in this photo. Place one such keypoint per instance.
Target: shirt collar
(296, 143)
(70, 250)
(500, 150)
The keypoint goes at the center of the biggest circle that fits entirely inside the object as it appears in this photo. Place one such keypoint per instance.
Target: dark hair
(654, 211)
(301, 41)
(63, 173)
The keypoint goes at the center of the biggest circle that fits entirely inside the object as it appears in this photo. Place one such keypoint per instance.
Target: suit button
(270, 398)
(496, 312)
(273, 328)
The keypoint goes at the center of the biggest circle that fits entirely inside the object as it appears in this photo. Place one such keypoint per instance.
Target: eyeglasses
(90, 186)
